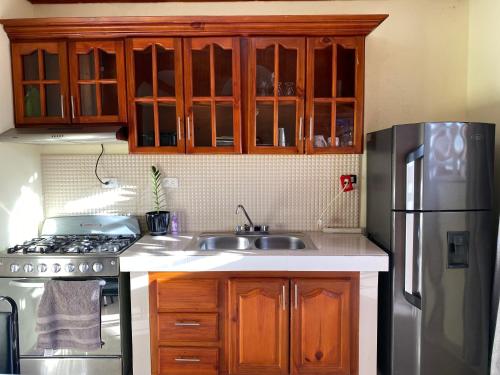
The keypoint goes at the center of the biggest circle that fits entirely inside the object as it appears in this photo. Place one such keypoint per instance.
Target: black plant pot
(158, 222)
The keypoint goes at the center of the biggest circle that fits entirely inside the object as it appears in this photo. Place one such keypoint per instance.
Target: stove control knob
(83, 267)
(28, 268)
(70, 267)
(56, 267)
(14, 267)
(42, 267)
(97, 267)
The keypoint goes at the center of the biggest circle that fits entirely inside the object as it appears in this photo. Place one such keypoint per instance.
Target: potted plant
(157, 220)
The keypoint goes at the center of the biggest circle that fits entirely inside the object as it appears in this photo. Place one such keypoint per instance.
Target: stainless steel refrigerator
(429, 201)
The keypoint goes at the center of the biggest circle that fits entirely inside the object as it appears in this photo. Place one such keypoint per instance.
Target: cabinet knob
(283, 296)
(72, 107)
(187, 324)
(301, 125)
(311, 128)
(62, 106)
(179, 135)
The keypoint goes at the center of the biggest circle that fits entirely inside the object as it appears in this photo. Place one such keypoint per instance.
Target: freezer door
(446, 166)
(457, 260)
(406, 140)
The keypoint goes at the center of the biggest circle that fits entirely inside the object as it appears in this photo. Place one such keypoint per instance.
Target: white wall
(20, 170)
(483, 85)
(416, 61)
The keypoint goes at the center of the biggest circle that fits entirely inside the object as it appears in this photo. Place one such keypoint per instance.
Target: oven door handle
(27, 283)
(37, 283)
(14, 331)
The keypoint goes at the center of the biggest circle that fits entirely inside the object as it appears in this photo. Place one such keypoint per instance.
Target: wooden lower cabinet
(254, 323)
(322, 329)
(258, 326)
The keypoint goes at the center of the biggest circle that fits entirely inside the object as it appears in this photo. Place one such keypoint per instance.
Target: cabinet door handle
(301, 125)
(296, 295)
(179, 127)
(310, 128)
(283, 296)
(62, 106)
(72, 107)
(187, 360)
(189, 128)
(187, 324)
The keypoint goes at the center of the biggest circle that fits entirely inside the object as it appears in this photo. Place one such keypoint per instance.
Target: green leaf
(159, 197)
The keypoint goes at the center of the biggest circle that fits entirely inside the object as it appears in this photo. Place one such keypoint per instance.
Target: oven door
(27, 292)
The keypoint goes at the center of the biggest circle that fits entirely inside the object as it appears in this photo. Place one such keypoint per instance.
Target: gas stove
(73, 246)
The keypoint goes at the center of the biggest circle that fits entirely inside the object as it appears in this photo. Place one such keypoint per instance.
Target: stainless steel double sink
(252, 241)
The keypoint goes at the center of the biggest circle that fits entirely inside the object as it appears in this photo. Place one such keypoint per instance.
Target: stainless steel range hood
(65, 135)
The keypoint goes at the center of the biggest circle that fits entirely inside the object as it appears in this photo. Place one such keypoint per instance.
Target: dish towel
(69, 315)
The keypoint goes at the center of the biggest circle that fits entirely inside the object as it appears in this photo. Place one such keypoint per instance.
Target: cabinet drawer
(189, 361)
(187, 295)
(188, 327)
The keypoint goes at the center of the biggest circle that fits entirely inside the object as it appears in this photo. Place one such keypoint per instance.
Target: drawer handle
(187, 324)
(187, 360)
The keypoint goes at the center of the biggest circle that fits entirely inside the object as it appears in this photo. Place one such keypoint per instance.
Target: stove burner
(76, 244)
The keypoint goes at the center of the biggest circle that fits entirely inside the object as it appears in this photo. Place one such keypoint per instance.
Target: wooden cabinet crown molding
(116, 27)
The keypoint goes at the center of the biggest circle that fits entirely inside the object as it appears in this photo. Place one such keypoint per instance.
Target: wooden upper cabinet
(276, 95)
(213, 95)
(323, 336)
(40, 81)
(98, 92)
(155, 95)
(258, 324)
(335, 95)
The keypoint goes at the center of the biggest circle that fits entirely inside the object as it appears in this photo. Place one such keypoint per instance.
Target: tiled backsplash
(286, 192)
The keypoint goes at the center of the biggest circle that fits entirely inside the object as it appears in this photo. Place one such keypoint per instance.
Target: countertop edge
(214, 263)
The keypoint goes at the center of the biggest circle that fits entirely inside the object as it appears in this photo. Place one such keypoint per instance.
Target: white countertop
(336, 252)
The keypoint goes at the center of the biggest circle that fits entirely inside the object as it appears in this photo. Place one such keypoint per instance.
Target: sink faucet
(240, 206)
(249, 228)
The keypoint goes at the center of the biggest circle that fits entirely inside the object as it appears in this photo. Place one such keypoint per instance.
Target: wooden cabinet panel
(155, 95)
(258, 335)
(98, 91)
(335, 95)
(187, 295)
(188, 327)
(40, 82)
(323, 319)
(188, 361)
(213, 95)
(276, 76)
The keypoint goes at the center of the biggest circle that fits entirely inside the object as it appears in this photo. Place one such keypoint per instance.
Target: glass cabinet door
(155, 93)
(97, 71)
(40, 79)
(212, 82)
(334, 95)
(276, 92)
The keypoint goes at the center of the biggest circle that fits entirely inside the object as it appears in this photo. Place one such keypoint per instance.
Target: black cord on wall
(97, 163)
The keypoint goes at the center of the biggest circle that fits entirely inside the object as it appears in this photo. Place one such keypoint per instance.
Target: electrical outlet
(170, 182)
(347, 181)
(111, 183)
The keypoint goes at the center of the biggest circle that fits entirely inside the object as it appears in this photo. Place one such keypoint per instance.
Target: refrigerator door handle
(413, 259)
(414, 178)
